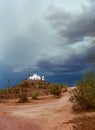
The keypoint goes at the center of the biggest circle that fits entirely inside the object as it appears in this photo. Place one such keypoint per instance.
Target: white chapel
(36, 77)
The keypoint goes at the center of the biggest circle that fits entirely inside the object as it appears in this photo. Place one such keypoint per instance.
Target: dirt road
(45, 116)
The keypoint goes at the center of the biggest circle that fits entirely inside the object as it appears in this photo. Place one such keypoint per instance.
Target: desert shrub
(55, 89)
(8, 87)
(16, 90)
(24, 90)
(3, 91)
(64, 87)
(37, 85)
(23, 84)
(84, 93)
(44, 86)
(35, 94)
(83, 123)
(23, 98)
(4, 94)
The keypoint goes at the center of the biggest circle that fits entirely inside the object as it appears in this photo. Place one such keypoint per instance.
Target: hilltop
(28, 86)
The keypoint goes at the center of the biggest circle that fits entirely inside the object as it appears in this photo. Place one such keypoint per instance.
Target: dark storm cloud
(73, 27)
(46, 65)
(76, 64)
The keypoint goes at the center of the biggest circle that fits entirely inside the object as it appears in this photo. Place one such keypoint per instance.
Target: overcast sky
(48, 37)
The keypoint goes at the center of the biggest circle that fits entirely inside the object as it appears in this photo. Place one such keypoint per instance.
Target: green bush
(3, 91)
(4, 94)
(35, 95)
(16, 90)
(55, 89)
(64, 87)
(37, 86)
(23, 98)
(23, 84)
(84, 93)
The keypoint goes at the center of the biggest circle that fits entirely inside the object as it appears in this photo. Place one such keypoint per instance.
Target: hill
(27, 87)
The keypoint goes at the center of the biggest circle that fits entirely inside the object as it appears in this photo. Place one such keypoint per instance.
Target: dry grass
(77, 109)
(83, 123)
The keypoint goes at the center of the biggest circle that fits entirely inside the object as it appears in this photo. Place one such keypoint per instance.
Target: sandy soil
(49, 115)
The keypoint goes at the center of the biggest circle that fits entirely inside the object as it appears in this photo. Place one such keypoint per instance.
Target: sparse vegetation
(37, 86)
(83, 123)
(26, 87)
(8, 87)
(23, 98)
(84, 94)
(64, 87)
(55, 89)
(3, 91)
(16, 90)
(23, 84)
(35, 95)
